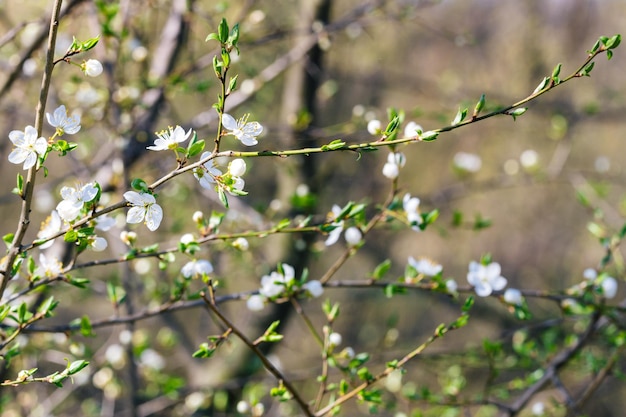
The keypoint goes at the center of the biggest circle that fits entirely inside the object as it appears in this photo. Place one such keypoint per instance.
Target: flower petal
(229, 122)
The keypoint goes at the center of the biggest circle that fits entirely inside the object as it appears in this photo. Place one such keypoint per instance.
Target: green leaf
(222, 196)
(70, 236)
(85, 326)
(20, 185)
(79, 282)
(460, 116)
(139, 185)
(47, 307)
(196, 148)
(381, 269)
(429, 136)
(222, 31)
(8, 239)
(233, 39)
(518, 112)
(543, 84)
(232, 84)
(613, 42)
(479, 105)
(556, 71)
(76, 366)
(212, 36)
(587, 70)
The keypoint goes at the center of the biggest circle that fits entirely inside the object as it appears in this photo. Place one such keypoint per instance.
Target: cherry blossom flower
(196, 268)
(412, 129)
(28, 147)
(374, 127)
(609, 287)
(353, 236)
(169, 139)
(50, 227)
(74, 200)
(513, 296)
(97, 243)
(274, 284)
(241, 243)
(333, 236)
(314, 288)
(485, 278)
(425, 266)
(395, 161)
(335, 339)
(451, 286)
(92, 67)
(256, 302)
(207, 174)
(411, 208)
(105, 223)
(243, 130)
(63, 123)
(143, 209)
(48, 267)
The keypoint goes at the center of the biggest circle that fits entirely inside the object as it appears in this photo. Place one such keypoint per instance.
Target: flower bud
(241, 243)
(353, 236)
(92, 67)
(198, 216)
(128, 238)
(237, 167)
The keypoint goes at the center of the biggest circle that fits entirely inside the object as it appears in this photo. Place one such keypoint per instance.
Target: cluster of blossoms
(353, 234)
(425, 267)
(607, 285)
(395, 161)
(210, 177)
(487, 278)
(374, 127)
(282, 283)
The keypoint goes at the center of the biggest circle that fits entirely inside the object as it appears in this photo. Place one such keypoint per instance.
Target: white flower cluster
(279, 284)
(353, 234)
(211, 177)
(487, 278)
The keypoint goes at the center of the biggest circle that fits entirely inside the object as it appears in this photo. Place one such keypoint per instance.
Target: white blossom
(74, 200)
(48, 267)
(50, 227)
(485, 278)
(98, 243)
(412, 129)
(395, 161)
(590, 274)
(256, 302)
(104, 223)
(237, 167)
(275, 283)
(451, 286)
(28, 147)
(143, 209)
(241, 243)
(353, 236)
(92, 67)
(207, 174)
(63, 123)
(334, 234)
(314, 288)
(374, 127)
(197, 268)
(425, 266)
(513, 296)
(411, 208)
(609, 287)
(169, 139)
(335, 339)
(244, 131)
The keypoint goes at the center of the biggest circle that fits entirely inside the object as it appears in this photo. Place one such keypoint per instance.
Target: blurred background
(311, 72)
